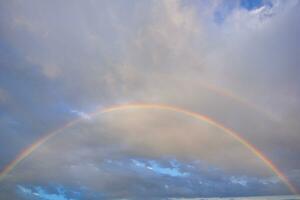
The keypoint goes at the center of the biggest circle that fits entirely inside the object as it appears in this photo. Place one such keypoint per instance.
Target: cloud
(81, 114)
(234, 62)
(40, 193)
(3, 96)
(113, 158)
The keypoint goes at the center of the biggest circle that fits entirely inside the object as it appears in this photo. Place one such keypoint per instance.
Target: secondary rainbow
(26, 152)
(233, 96)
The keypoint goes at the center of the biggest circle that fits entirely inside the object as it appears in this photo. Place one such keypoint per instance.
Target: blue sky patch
(40, 193)
(251, 4)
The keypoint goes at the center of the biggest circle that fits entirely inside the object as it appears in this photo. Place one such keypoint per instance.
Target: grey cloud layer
(58, 56)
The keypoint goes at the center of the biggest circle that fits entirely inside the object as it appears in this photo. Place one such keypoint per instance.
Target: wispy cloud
(81, 114)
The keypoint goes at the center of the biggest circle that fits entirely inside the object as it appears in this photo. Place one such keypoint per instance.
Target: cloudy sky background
(235, 61)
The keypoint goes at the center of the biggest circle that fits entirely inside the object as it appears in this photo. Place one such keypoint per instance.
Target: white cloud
(81, 114)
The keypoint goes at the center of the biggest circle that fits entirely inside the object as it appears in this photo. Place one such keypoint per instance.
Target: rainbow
(26, 152)
(229, 94)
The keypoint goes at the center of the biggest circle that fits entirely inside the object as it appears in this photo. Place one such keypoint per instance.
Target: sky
(236, 62)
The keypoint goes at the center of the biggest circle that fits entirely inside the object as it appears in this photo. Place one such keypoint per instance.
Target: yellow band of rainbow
(26, 152)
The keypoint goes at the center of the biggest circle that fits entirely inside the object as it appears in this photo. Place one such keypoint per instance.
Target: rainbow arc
(26, 152)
